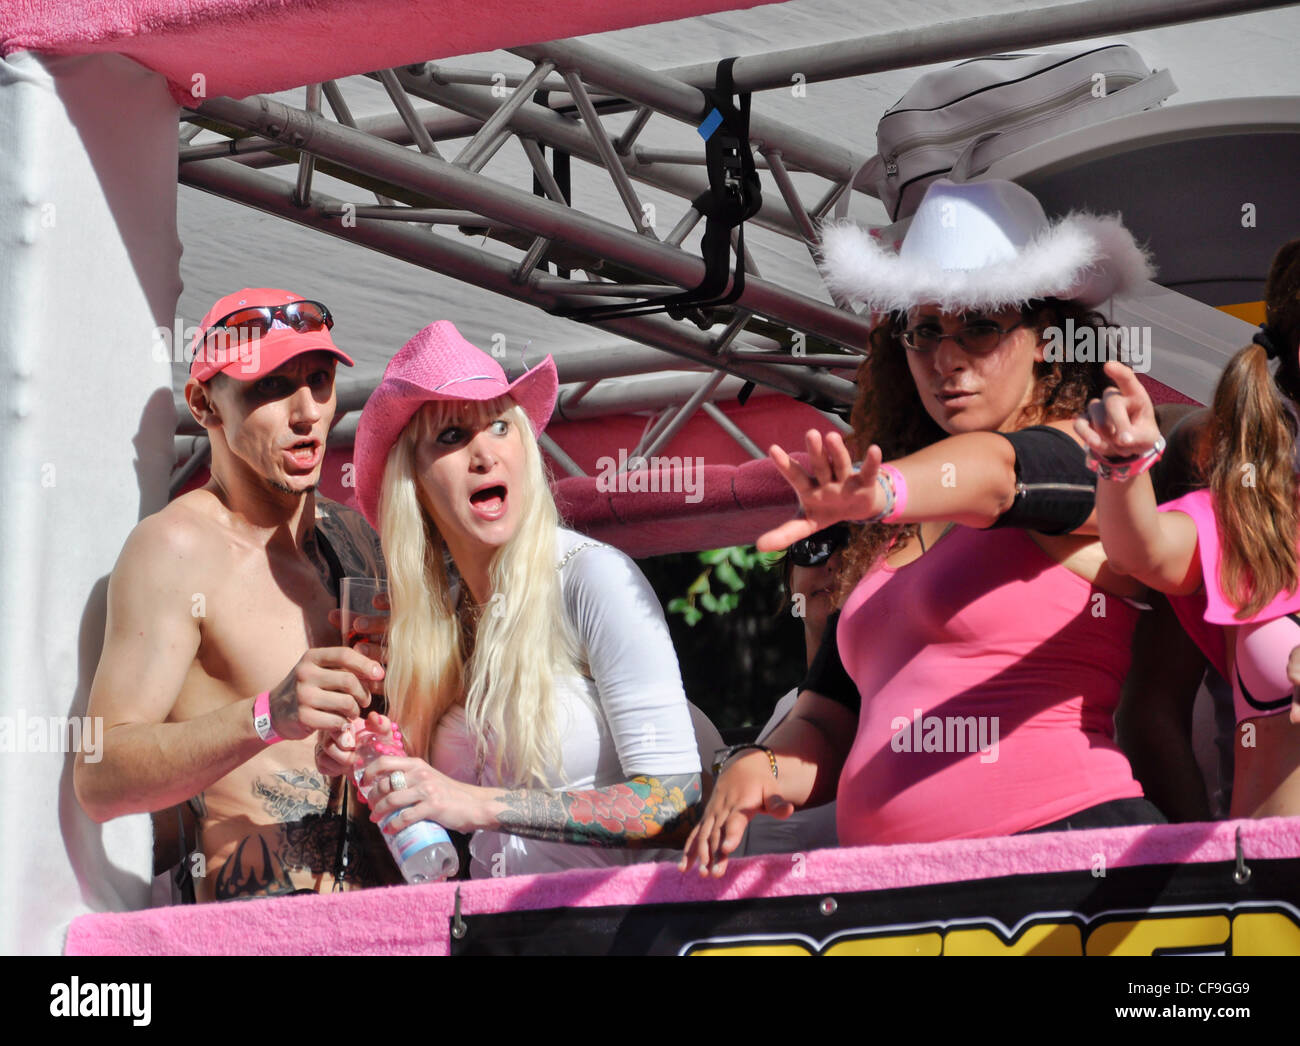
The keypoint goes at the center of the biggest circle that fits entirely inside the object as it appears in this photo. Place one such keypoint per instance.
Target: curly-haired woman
(970, 684)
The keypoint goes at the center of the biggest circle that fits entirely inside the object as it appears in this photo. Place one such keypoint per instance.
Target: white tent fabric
(88, 184)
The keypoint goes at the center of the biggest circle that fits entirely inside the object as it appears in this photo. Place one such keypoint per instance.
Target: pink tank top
(1260, 645)
(989, 677)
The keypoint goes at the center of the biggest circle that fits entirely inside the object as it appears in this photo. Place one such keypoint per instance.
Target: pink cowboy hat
(438, 364)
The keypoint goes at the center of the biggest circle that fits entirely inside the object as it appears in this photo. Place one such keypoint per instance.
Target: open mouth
(489, 502)
(304, 452)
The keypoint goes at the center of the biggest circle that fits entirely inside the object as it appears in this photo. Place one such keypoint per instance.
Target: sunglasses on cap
(978, 337)
(302, 316)
(816, 549)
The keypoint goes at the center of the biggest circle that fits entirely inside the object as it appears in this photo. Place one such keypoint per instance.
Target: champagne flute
(357, 600)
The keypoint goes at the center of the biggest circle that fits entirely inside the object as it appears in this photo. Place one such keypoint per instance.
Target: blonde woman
(529, 667)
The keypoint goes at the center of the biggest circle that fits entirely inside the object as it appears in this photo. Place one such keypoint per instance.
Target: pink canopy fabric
(207, 48)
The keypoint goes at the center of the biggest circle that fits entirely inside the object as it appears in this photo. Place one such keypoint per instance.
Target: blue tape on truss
(711, 123)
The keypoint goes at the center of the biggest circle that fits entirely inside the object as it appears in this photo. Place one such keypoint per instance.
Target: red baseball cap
(246, 358)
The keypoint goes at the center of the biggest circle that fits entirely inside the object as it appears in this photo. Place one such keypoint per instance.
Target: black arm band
(827, 675)
(1055, 489)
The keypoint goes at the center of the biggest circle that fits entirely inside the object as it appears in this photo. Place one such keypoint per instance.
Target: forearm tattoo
(645, 811)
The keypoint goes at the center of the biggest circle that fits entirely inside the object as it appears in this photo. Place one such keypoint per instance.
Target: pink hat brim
(392, 405)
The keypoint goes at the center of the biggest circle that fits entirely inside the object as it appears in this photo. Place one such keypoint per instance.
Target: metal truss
(423, 167)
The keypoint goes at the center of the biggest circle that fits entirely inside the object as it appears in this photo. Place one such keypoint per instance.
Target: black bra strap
(331, 560)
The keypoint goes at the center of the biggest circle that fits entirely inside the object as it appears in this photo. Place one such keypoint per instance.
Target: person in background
(1239, 539)
(812, 565)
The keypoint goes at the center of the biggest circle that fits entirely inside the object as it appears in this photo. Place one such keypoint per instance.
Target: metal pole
(634, 129)
(791, 196)
(576, 397)
(542, 218)
(343, 114)
(402, 103)
(475, 153)
(538, 161)
(201, 456)
(531, 259)
(788, 359)
(611, 290)
(441, 124)
(733, 430)
(650, 431)
(463, 262)
(608, 155)
(677, 156)
(561, 458)
(425, 216)
(683, 228)
(487, 78)
(956, 39)
(684, 102)
(549, 127)
(684, 415)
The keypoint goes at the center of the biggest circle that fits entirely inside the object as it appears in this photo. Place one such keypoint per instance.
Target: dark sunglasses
(816, 549)
(302, 316)
(978, 338)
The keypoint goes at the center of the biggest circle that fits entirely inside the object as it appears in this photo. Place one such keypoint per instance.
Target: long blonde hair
(505, 673)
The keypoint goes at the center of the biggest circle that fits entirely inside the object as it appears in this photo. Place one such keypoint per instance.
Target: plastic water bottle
(423, 850)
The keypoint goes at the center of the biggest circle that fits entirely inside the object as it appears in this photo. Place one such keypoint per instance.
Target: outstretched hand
(1123, 422)
(832, 491)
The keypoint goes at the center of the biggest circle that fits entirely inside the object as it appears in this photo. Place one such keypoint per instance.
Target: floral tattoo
(645, 811)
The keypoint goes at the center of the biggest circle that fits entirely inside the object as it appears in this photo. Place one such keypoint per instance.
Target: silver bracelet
(886, 482)
(1120, 470)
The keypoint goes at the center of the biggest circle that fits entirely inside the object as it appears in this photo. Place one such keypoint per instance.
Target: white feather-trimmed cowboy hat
(984, 245)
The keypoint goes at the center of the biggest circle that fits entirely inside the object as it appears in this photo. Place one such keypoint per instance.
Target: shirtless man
(210, 609)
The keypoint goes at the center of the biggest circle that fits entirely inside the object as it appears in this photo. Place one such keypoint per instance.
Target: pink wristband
(900, 493)
(262, 718)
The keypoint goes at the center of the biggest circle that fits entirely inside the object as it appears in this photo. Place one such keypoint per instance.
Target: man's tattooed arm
(645, 811)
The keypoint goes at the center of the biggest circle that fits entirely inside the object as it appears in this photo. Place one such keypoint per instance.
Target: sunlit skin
(451, 466)
(471, 476)
(964, 392)
(213, 600)
(1160, 549)
(967, 392)
(253, 426)
(971, 396)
